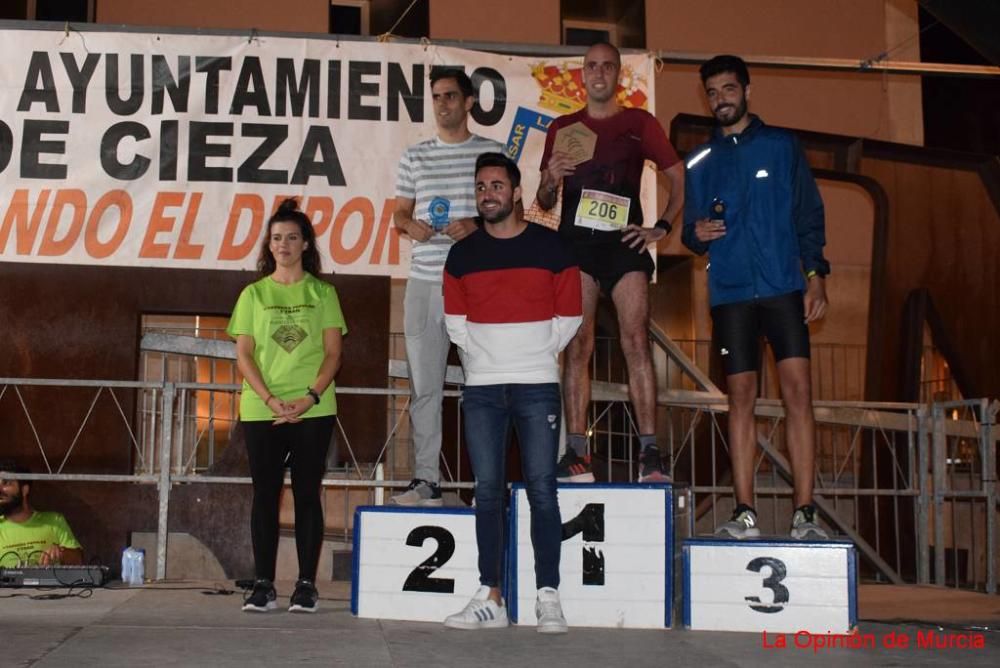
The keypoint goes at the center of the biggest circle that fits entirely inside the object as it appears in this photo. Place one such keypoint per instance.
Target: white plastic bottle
(127, 562)
(139, 568)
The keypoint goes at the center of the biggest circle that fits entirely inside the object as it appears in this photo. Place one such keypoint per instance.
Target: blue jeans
(534, 410)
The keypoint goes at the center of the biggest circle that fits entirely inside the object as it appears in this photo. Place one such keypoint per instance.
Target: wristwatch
(663, 225)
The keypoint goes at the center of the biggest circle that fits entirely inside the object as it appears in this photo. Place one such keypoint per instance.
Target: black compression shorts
(606, 263)
(737, 330)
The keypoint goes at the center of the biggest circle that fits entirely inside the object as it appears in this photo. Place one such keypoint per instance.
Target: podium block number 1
(616, 561)
(590, 523)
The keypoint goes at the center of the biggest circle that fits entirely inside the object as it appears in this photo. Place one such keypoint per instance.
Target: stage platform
(177, 624)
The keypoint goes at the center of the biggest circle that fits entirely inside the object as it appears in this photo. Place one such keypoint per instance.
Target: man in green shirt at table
(27, 536)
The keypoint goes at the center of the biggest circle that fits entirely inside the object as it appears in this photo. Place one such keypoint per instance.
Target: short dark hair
(289, 212)
(460, 77)
(725, 63)
(500, 160)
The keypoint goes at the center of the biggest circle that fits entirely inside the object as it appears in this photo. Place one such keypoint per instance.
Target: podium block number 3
(772, 582)
(590, 523)
(420, 578)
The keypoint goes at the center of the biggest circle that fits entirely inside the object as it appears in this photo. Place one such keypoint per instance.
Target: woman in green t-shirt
(288, 328)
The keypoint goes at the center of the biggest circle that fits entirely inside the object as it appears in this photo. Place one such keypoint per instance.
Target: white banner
(170, 150)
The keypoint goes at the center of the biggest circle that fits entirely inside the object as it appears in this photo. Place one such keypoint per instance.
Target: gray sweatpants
(427, 347)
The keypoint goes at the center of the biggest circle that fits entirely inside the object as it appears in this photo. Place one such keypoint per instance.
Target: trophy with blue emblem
(439, 210)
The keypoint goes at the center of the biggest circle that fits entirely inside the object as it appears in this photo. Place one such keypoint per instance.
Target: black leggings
(304, 446)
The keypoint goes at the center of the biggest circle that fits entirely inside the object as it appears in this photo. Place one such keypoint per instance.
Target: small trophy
(577, 141)
(717, 211)
(439, 209)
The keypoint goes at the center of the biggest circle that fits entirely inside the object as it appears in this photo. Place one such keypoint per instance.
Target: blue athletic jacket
(774, 214)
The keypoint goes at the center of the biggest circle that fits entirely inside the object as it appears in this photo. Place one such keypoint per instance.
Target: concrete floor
(179, 624)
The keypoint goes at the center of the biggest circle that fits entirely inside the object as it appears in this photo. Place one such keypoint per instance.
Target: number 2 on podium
(420, 578)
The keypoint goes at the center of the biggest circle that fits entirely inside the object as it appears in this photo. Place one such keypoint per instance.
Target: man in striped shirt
(512, 303)
(435, 205)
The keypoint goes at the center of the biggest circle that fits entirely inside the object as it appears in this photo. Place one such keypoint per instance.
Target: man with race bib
(598, 163)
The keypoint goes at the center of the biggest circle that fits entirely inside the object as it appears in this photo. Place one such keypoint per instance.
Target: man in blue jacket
(751, 203)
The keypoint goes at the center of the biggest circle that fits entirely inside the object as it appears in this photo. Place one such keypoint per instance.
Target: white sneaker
(549, 612)
(480, 613)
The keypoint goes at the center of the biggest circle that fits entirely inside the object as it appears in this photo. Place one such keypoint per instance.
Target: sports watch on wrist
(664, 225)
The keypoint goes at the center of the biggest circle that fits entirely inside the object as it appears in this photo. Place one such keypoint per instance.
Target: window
(188, 349)
(585, 33)
(75, 11)
(618, 22)
(349, 17)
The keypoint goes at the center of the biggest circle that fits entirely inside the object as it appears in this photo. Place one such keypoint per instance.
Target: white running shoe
(480, 613)
(549, 612)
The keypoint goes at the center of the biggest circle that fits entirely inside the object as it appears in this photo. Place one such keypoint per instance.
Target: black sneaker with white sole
(262, 598)
(574, 468)
(304, 598)
(651, 466)
(419, 493)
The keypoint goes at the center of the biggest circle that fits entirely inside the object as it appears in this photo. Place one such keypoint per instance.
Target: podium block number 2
(772, 582)
(420, 578)
(590, 523)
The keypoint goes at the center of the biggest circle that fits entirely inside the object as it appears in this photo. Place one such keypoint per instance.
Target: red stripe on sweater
(513, 295)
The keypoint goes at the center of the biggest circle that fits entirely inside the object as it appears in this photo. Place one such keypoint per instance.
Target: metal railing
(209, 415)
(964, 505)
(941, 460)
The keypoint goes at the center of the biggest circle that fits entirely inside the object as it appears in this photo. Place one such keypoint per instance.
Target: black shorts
(606, 263)
(737, 330)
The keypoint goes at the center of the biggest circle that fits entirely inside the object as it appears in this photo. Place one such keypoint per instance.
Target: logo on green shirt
(289, 337)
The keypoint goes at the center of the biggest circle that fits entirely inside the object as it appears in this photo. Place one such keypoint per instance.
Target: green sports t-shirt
(23, 542)
(286, 323)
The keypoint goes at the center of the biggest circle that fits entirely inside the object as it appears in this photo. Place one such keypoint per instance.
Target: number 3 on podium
(772, 582)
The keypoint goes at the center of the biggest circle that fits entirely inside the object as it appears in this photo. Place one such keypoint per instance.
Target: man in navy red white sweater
(512, 303)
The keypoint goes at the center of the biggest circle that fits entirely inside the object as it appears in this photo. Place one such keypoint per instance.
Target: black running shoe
(651, 466)
(262, 598)
(574, 468)
(305, 597)
(419, 493)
